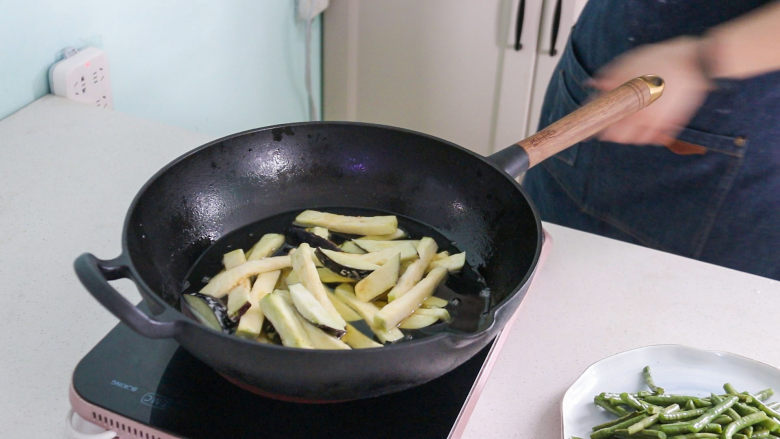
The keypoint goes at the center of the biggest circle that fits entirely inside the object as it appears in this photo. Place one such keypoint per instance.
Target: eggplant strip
(303, 266)
(346, 312)
(392, 313)
(238, 296)
(417, 321)
(407, 247)
(358, 225)
(251, 323)
(427, 250)
(357, 340)
(398, 234)
(379, 281)
(266, 246)
(320, 339)
(285, 320)
(222, 283)
(453, 263)
(313, 311)
(368, 311)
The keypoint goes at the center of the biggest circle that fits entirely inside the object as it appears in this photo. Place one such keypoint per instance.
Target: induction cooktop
(154, 389)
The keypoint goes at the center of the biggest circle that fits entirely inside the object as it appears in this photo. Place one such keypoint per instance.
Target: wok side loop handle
(604, 110)
(95, 273)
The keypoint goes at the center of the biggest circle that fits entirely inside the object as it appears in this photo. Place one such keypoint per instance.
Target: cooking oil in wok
(466, 292)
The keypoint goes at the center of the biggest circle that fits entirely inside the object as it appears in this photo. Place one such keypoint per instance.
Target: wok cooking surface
(160, 385)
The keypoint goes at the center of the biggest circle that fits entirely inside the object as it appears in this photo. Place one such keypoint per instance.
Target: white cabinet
(444, 67)
(546, 60)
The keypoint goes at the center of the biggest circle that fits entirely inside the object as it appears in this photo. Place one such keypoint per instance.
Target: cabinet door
(435, 66)
(546, 59)
(516, 80)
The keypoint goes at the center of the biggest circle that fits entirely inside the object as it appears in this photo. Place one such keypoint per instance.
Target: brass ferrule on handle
(655, 84)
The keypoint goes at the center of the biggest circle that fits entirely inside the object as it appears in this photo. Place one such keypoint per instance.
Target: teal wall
(214, 66)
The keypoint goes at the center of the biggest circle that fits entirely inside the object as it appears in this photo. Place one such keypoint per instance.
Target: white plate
(678, 369)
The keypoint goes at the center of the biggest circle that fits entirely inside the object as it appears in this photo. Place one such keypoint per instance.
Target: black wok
(229, 183)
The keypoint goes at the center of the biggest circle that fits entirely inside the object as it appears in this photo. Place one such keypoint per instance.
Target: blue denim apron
(720, 206)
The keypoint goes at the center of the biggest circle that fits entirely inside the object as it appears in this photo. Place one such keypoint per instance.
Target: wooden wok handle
(592, 117)
(606, 109)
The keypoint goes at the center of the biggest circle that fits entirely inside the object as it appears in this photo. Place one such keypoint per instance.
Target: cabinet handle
(555, 26)
(519, 25)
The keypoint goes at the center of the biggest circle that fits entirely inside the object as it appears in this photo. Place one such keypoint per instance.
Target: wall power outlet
(83, 76)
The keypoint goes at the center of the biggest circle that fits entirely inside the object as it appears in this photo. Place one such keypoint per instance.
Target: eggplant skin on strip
(342, 267)
(298, 235)
(207, 310)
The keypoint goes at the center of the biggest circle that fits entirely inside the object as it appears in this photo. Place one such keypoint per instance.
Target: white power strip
(310, 9)
(83, 76)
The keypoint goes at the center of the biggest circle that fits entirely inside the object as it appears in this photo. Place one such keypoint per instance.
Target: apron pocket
(664, 199)
(733, 146)
(566, 93)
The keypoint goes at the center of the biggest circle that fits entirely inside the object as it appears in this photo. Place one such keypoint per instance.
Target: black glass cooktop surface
(159, 384)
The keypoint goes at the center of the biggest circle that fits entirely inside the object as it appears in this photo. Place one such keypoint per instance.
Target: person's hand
(678, 62)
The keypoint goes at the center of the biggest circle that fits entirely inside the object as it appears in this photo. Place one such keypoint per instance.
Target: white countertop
(68, 173)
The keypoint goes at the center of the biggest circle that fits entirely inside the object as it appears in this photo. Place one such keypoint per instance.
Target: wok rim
(455, 336)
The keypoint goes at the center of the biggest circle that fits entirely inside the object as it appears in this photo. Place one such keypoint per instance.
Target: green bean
(653, 409)
(723, 419)
(633, 401)
(694, 436)
(731, 413)
(644, 423)
(712, 413)
(649, 381)
(729, 388)
(744, 409)
(666, 399)
(649, 434)
(655, 414)
(765, 394)
(757, 402)
(612, 398)
(608, 431)
(682, 415)
(772, 424)
(608, 406)
(685, 427)
(766, 409)
(712, 428)
(760, 433)
(746, 421)
(675, 428)
(743, 396)
(625, 417)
